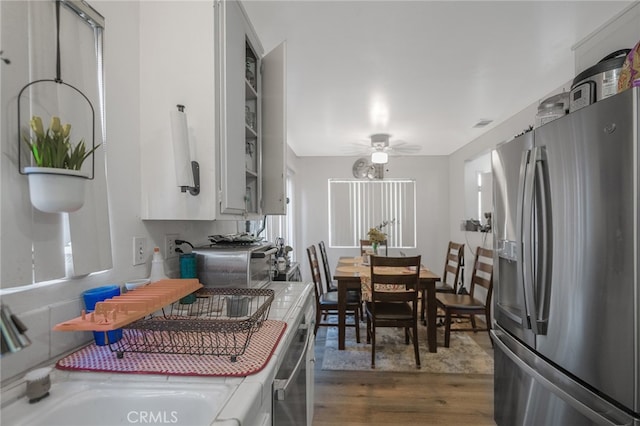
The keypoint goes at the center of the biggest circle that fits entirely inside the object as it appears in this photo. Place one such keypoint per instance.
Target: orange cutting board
(121, 310)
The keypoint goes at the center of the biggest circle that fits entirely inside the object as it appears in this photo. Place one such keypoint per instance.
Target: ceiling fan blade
(404, 148)
(356, 148)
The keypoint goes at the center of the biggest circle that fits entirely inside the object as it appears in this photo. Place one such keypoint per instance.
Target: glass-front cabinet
(234, 98)
(250, 118)
(251, 115)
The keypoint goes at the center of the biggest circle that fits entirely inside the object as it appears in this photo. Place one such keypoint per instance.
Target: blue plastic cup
(95, 295)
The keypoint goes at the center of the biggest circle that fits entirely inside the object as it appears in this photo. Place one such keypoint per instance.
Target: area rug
(464, 355)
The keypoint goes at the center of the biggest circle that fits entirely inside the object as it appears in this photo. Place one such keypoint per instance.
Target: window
(36, 246)
(282, 226)
(355, 206)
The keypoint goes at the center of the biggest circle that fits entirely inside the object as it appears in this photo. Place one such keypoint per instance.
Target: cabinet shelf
(250, 133)
(249, 91)
(259, 149)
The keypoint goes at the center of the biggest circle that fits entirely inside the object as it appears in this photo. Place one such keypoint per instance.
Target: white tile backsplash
(46, 344)
(64, 341)
(37, 323)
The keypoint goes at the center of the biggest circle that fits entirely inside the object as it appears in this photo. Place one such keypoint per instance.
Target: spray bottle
(157, 266)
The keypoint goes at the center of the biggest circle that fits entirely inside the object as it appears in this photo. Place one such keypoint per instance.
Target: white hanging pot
(56, 190)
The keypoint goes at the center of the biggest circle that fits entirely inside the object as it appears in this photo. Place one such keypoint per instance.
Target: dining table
(348, 277)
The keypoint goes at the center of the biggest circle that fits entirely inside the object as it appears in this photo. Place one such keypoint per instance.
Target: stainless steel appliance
(293, 385)
(597, 82)
(235, 265)
(552, 108)
(567, 300)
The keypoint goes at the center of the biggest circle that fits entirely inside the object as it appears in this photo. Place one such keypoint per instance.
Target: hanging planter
(56, 181)
(56, 190)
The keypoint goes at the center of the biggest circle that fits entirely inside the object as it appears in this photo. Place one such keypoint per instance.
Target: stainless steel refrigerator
(567, 301)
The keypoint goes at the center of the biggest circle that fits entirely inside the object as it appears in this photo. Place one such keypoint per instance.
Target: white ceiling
(424, 71)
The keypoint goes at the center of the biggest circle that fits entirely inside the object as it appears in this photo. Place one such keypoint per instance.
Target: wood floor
(351, 398)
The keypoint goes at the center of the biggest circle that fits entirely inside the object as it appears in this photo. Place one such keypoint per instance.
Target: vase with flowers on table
(377, 236)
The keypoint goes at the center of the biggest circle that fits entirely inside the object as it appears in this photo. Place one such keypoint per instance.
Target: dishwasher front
(294, 381)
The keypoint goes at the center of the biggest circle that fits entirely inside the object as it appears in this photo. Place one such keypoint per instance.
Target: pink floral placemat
(258, 353)
(365, 280)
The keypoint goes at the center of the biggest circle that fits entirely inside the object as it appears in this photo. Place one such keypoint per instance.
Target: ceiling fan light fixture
(379, 157)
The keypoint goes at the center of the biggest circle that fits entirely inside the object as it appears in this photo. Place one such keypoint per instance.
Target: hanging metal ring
(93, 124)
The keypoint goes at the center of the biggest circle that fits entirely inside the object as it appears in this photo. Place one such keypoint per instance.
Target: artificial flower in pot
(56, 182)
(376, 236)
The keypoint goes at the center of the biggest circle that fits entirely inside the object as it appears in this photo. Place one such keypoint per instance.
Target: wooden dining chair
(397, 307)
(327, 302)
(474, 303)
(331, 285)
(367, 245)
(453, 264)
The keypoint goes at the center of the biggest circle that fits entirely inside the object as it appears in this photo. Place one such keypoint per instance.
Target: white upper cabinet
(207, 57)
(176, 62)
(274, 125)
(250, 118)
(231, 33)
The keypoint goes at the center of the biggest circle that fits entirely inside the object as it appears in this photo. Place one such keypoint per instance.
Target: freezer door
(590, 159)
(530, 391)
(509, 162)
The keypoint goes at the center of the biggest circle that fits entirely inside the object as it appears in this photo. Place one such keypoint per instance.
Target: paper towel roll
(181, 154)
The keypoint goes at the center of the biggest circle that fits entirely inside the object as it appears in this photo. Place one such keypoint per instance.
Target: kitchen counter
(227, 400)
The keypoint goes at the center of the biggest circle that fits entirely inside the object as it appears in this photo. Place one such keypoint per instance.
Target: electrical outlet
(139, 250)
(170, 245)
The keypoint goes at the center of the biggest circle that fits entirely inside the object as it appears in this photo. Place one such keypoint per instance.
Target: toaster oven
(235, 265)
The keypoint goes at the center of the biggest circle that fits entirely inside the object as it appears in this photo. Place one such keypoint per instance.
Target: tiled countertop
(286, 306)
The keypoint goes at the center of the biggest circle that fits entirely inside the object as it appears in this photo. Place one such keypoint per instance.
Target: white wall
(42, 307)
(431, 174)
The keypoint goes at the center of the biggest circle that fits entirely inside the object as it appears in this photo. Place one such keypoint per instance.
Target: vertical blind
(355, 206)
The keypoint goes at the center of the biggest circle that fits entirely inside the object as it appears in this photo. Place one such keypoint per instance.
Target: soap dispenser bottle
(157, 266)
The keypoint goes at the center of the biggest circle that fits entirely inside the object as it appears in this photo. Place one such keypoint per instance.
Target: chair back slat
(483, 270)
(453, 264)
(315, 271)
(325, 261)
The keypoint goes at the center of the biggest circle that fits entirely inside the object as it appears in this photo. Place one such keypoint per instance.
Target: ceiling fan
(380, 148)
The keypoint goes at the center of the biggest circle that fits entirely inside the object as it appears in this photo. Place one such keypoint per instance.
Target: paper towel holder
(195, 189)
(195, 167)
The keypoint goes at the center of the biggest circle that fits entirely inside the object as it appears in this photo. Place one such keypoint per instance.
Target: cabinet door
(274, 128)
(230, 116)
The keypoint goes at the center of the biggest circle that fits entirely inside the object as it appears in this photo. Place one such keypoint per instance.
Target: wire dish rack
(219, 322)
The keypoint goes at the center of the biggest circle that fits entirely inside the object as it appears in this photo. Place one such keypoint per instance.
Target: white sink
(95, 403)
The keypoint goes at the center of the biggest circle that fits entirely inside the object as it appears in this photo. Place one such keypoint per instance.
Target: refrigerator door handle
(544, 234)
(520, 206)
(591, 406)
(525, 229)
